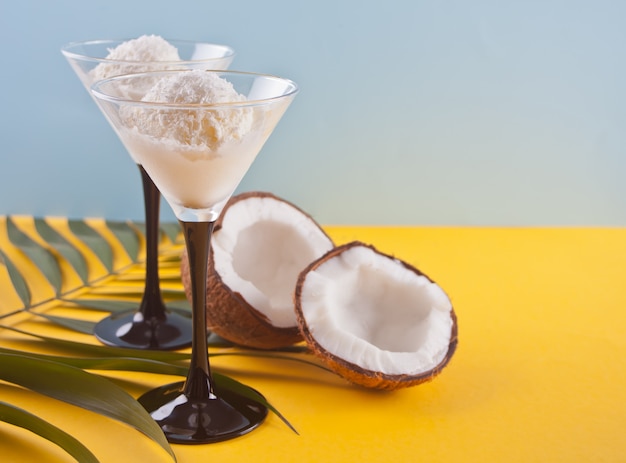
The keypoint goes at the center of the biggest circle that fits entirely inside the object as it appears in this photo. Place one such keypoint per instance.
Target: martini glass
(196, 153)
(152, 325)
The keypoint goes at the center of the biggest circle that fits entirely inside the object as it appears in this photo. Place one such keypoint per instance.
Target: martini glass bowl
(152, 325)
(196, 154)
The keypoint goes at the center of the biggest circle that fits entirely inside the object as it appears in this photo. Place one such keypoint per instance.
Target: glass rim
(68, 51)
(95, 89)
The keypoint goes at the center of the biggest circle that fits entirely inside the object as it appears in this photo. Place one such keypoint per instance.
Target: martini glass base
(186, 420)
(131, 330)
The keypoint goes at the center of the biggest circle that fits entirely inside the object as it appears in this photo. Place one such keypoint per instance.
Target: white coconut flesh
(263, 245)
(372, 311)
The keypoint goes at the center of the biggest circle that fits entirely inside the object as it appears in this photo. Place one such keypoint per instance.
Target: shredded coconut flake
(135, 56)
(210, 127)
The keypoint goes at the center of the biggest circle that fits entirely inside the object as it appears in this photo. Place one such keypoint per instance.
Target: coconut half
(373, 319)
(260, 245)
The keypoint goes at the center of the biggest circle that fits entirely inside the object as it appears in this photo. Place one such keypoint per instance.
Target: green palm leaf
(19, 417)
(126, 234)
(101, 350)
(149, 362)
(109, 363)
(67, 250)
(181, 307)
(44, 259)
(172, 230)
(232, 384)
(16, 278)
(147, 365)
(77, 387)
(66, 378)
(80, 326)
(104, 305)
(94, 241)
(95, 349)
(173, 293)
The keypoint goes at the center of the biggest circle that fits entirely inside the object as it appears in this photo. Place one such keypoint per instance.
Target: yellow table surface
(539, 374)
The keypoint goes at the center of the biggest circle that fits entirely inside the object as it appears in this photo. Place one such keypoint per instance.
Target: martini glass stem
(191, 412)
(152, 306)
(151, 326)
(199, 383)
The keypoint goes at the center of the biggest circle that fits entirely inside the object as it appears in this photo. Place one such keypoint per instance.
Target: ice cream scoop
(142, 50)
(210, 127)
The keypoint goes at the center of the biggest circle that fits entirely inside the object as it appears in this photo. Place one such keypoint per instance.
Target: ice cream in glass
(196, 133)
(152, 325)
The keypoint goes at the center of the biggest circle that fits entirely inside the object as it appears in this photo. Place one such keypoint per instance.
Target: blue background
(412, 112)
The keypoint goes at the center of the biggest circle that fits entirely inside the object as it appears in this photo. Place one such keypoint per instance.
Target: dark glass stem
(152, 306)
(151, 326)
(199, 383)
(196, 411)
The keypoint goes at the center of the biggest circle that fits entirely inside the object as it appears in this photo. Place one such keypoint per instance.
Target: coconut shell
(228, 314)
(231, 317)
(354, 373)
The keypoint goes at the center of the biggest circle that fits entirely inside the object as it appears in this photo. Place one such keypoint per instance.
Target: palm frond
(62, 272)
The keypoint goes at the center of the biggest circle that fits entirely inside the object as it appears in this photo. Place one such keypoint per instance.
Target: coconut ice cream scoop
(210, 128)
(192, 120)
(142, 50)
